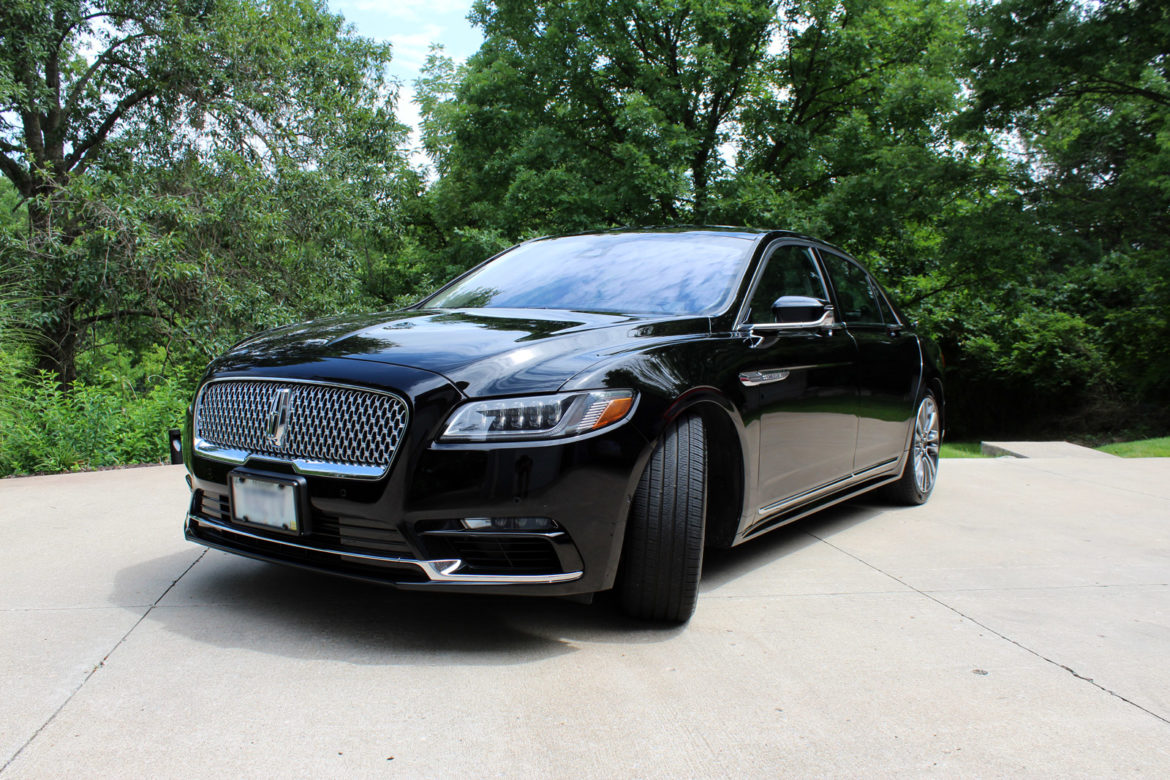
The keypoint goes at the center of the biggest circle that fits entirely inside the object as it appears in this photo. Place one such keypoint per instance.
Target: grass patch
(1146, 448)
(961, 449)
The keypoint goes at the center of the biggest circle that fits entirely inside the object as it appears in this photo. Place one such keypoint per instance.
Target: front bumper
(229, 537)
(405, 531)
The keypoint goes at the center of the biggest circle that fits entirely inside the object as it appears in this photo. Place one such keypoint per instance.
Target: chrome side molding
(763, 377)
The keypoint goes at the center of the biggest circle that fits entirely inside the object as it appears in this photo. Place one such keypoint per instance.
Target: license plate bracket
(274, 502)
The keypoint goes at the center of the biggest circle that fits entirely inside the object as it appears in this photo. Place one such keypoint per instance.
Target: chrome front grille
(319, 428)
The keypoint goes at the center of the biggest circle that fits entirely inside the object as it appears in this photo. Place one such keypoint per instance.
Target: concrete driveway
(1017, 624)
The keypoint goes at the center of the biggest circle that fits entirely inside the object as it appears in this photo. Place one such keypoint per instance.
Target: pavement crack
(991, 630)
(1096, 482)
(99, 665)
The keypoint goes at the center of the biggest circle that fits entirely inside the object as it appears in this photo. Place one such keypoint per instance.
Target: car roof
(746, 233)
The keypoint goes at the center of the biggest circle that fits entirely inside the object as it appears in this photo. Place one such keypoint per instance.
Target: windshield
(631, 273)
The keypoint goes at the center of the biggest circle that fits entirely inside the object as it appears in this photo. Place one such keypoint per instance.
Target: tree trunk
(56, 352)
(699, 180)
(57, 336)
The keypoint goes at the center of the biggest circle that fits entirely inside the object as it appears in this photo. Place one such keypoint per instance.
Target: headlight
(539, 417)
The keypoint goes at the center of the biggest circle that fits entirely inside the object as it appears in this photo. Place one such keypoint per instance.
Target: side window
(859, 305)
(790, 270)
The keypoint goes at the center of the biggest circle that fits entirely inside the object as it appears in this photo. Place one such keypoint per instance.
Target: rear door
(888, 363)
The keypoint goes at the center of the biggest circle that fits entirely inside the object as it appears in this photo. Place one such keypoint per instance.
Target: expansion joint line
(991, 630)
(100, 664)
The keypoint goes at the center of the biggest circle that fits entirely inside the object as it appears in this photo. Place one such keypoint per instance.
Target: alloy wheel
(925, 448)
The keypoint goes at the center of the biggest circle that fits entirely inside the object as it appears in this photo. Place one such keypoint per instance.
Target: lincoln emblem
(277, 424)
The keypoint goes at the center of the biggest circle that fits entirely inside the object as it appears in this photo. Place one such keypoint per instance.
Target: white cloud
(411, 27)
(411, 49)
(414, 10)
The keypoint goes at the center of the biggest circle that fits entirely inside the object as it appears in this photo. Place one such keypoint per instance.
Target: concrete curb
(1041, 449)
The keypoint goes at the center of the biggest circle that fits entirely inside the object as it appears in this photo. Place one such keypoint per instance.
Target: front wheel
(921, 469)
(663, 553)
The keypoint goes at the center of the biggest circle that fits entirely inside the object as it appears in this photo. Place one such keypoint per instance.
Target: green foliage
(1083, 92)
(182, 173)
(123, 417)
(589, 113)
(171, 154)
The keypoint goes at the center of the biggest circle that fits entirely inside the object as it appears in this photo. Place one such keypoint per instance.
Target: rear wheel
(663, 553)
(921, 469)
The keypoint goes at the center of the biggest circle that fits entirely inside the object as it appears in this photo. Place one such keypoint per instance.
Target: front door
(799, 386)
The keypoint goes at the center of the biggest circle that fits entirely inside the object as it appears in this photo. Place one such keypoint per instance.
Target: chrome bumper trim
(436, 571)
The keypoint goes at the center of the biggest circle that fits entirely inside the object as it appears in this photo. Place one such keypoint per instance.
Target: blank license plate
(265, 502)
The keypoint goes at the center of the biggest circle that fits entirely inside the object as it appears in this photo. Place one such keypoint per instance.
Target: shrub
(99, 423)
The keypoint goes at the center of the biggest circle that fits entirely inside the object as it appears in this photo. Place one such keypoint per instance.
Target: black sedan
(574, 415)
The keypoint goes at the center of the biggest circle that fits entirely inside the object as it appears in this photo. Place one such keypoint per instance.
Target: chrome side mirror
(796, 312)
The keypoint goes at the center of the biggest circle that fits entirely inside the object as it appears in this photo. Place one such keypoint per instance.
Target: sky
(411, 26)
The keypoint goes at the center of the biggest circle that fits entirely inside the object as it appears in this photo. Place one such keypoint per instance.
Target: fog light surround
(509, 524)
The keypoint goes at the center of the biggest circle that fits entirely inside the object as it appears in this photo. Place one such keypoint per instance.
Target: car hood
(481, 351)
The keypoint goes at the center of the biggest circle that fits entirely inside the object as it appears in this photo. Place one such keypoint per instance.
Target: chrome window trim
(779, 243)
(875, 289)
(303, 466)
(897, 323)
(826, 322)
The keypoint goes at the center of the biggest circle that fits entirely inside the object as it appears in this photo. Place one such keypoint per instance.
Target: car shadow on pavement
(233, 602)
(721, 567)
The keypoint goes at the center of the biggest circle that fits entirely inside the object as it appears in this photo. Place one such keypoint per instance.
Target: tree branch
(951, 285)
(53, 81)
(15, 173)
(1104, 86)
(82, 152)
(28, 115)
(32, 133)
(79, 87)
(113, 315)
(82, 19)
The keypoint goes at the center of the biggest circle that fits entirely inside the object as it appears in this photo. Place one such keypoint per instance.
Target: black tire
(663, 554)
(920, 472)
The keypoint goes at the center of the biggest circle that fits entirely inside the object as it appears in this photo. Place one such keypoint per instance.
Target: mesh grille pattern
(323, 423)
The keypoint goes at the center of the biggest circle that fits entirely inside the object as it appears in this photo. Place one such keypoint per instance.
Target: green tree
(1081, 92)
(825, 116)
(590, 112)
(115, 114)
